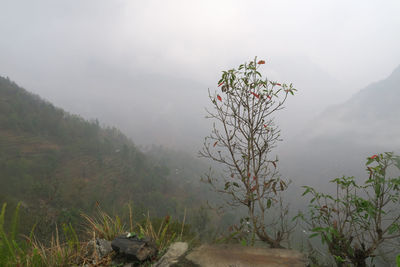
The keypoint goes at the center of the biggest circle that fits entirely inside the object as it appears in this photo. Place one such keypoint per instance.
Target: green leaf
(299, 215)
(227, 185)
(329, 237)
(318, 229)
(2, 214)
(398, 260)
(269, 202)
(308, 190)
(3, 236)
(393, 228)
(313, 235)
(14, 223)
(339, 259)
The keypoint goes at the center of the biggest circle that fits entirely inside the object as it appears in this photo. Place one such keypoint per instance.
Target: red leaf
(261, 62)
(374, 156)
(253, 188)
(167, 218)
(273, 163)
(219, 98)
(269, 97)
(256, 95)
(221, 83)
(215, 143)
(265, 125)
(278, 84)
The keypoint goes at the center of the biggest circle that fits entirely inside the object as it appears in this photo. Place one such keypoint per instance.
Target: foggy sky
(145, 66)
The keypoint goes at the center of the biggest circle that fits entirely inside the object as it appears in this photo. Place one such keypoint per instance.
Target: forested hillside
(59, 165)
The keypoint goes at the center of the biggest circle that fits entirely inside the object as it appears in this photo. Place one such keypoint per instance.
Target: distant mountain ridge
(338, 141)
(371, 116)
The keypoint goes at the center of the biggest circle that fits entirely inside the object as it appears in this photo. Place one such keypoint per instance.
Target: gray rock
(134, 248)
(103, 247)
(98, 248)
(176, 250)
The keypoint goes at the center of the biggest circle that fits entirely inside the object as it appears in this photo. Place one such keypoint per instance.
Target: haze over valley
(103, 103)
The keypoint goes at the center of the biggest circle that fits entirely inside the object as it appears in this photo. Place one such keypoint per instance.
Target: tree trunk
(271, 242)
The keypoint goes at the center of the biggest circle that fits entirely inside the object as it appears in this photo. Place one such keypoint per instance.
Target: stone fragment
(103, 247)
(176, 250)
(98, 248)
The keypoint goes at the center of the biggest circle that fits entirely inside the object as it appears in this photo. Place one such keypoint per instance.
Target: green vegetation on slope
(59, 165)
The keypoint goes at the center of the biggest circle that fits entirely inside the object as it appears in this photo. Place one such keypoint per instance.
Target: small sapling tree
(242, 138)
(358, 219)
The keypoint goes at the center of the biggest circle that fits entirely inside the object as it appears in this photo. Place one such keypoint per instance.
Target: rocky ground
(178, 255)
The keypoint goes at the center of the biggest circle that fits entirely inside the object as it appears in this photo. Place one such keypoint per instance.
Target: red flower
(269, 97)
(221, 83)
(261, 62)
(374, 156)
(256, 95)
(265, 125)
(219, 98)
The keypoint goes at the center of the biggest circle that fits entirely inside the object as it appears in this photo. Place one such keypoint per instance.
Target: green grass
(18, 250)
(103, 225)
(162, 231)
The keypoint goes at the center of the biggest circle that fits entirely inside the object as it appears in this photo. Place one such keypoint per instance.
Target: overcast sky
(85, 54)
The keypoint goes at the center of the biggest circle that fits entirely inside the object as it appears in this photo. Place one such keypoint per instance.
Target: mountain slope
(340, 139)
(59, 165)
(370, 117)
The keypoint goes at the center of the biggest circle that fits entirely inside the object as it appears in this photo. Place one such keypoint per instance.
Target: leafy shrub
(359, 218)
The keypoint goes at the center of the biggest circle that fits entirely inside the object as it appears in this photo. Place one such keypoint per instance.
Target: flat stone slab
(240, 256)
